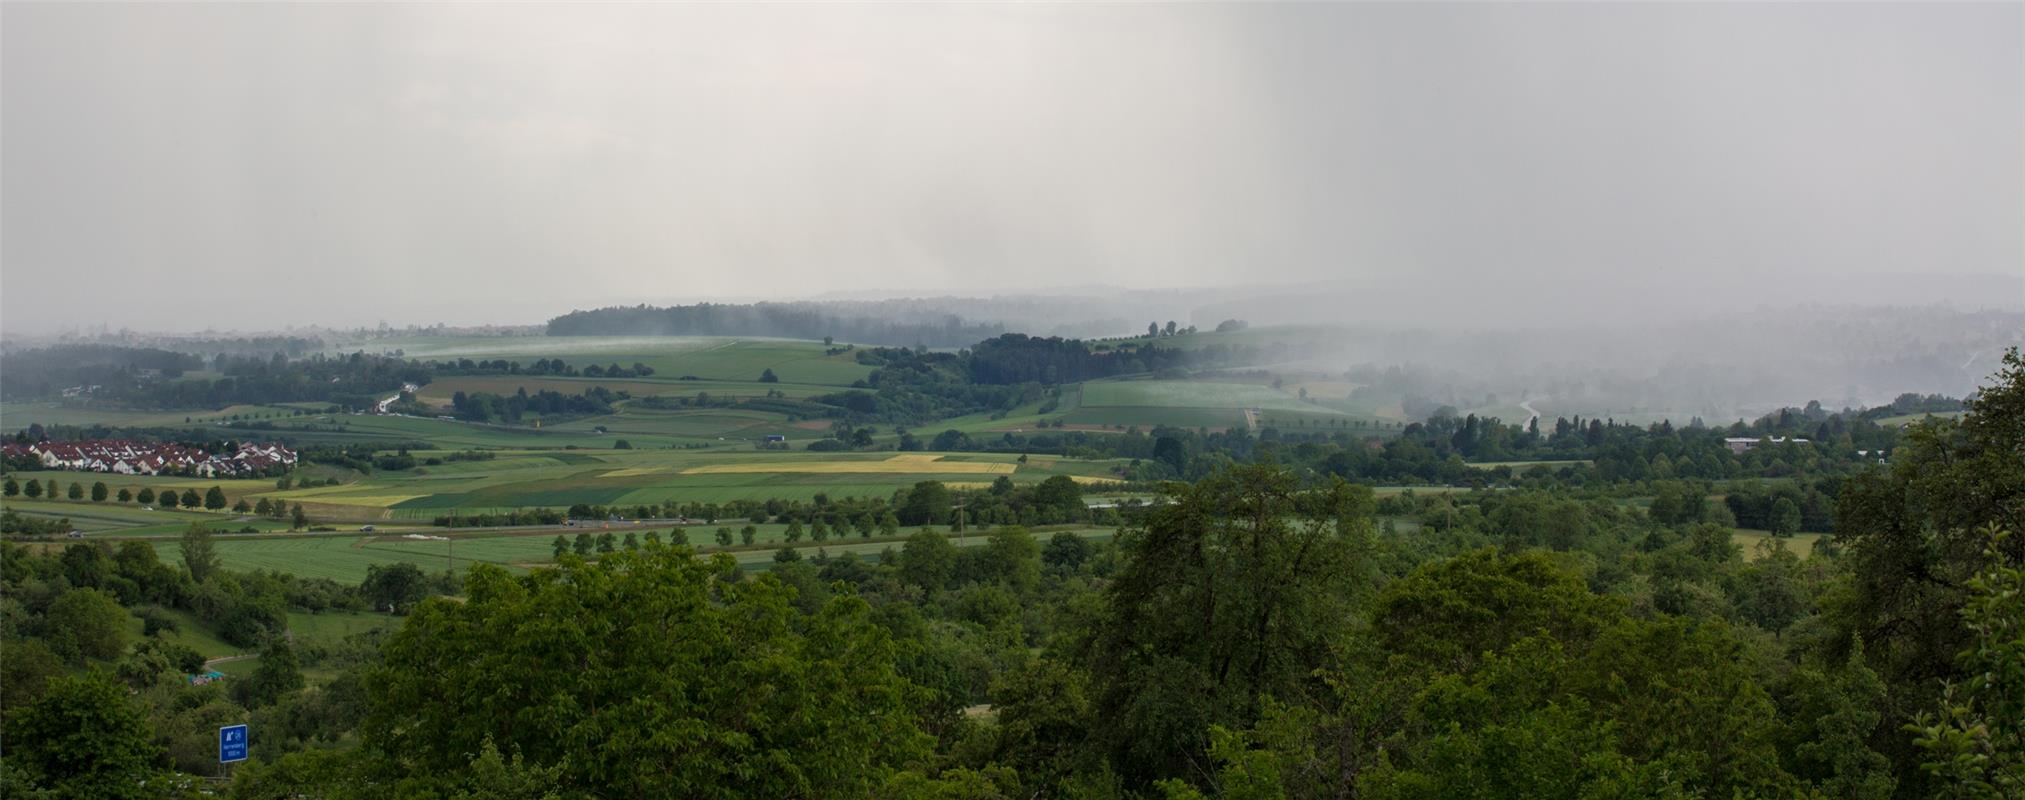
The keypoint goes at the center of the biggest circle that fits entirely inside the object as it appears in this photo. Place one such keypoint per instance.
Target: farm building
(1741, 444)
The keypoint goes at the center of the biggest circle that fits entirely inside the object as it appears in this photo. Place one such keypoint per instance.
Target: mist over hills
(1651, 354)
(1714, 362)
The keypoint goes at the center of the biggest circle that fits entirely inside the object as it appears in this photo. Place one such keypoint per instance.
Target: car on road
(365, 529)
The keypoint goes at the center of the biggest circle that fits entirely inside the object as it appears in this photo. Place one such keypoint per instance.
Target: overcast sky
(254, 166)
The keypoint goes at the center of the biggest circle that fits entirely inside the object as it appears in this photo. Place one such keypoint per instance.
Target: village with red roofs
(129, 457)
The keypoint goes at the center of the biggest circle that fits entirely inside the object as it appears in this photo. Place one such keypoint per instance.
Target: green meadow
(1753, 542)
(676, 453)
(346, 557)
(631, 477)
(1201, 404)
(563, 478)
(707, 358)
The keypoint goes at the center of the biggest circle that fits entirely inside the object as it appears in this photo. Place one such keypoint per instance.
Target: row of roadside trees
(213, 499)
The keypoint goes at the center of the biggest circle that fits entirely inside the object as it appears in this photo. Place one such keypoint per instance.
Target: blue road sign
(232, 743)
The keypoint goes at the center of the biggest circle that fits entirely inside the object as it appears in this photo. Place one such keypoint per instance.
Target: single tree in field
(214, 498)
(1152, 329)
(167, 499)
(12, 488)
(767, 376)
(794, 530)
(723, 537)
(264, 508)
(607, 543)
(34, 489)
(99, 492)
(200, 556)
(819, 531)
(76, 492)
(395, 587)
(191, 499)
(1785, 518)
(146, 496)
(747, 534)
(927, 503)
(125, 496)
(279, 673)
(560, 546)
(1170, 327)
(297, 519)
(49, 488)
(583, 544)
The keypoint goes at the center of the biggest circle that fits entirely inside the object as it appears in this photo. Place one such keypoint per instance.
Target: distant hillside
(784, 320)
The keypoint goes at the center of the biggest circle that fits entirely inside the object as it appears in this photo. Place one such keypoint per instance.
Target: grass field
(345, 557)
(438, 392)
(451, 434)
(339, 557)
(1522, 466)
(721, 367)
(334, 625)
(190, 632)
(1802, 544)
(304, 628)
(130, 519)
(909, 464)
(1906, 419)
(558, 479)
(706, 357)
(16, 416)
(1188, 394)
(638, 425)
(1199, 404)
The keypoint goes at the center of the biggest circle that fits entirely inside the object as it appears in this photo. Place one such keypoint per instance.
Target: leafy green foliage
(200, 554)
(1230, 593)
(84, 738)
(86, 623)
(636, 676)
(1975, 743)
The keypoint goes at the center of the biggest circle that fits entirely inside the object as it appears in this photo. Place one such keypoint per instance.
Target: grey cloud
(185, 166)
